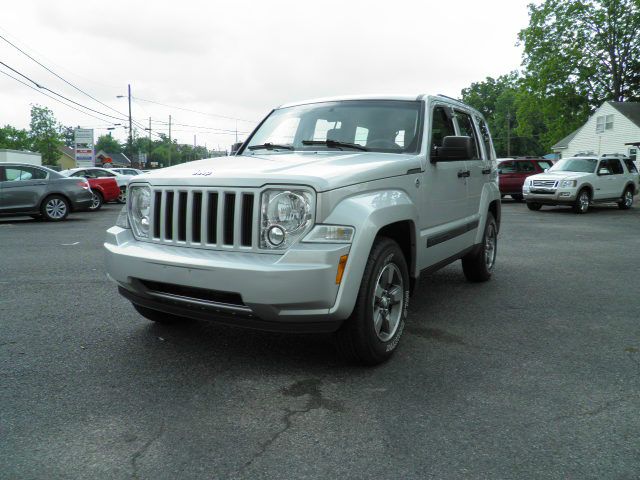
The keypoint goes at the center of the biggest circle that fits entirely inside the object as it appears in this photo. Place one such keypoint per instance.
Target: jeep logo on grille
(202, 173)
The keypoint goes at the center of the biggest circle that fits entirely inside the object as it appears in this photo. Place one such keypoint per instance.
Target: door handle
(464, 173)
(486, 171)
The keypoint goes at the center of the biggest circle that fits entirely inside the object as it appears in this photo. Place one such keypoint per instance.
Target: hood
(559, 176)
(320, 170)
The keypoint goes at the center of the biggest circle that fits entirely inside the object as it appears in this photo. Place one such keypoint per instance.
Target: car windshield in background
(584, 165)
(388, 126)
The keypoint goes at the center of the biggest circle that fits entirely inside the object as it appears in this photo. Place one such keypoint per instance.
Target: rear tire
(55, 208)
(159, 317)
(533, 206)
(478, 265)
(96, 201)
(122, 198)
(517, 197)
(583, 199)
(627, 199)
(373, 331)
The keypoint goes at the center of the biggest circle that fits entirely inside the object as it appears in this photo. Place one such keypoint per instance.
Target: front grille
(544, 183)
(204, 217)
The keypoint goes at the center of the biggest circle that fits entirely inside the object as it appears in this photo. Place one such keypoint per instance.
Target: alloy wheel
(388, 302)
(628, 198)
(490, 246)
(56, 208)
(95, 201)
(584, 201)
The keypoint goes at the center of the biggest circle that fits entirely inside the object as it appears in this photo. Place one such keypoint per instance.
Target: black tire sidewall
(389, 253)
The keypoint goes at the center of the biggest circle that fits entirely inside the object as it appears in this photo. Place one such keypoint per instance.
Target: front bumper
(559, 196)
(295, 291)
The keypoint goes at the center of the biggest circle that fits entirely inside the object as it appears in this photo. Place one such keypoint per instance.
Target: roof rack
(614, 155)
(450, 98)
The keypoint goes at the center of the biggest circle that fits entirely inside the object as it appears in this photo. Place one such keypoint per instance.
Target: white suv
(581, 181)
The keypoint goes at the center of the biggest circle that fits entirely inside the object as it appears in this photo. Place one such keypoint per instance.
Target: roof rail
(450, 98)
(614, 155)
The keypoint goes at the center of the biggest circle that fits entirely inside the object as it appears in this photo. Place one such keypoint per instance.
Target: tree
(590, 45)
(45, 134)
(108, 144)
(14, 139)
(67, 135)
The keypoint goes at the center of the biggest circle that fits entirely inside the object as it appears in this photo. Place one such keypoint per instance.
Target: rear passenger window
(467, 129)
(615, 166)
(544, 165)
(441, 126)
(507, 167)
(486, 139)
(526, 167)
(630, 165)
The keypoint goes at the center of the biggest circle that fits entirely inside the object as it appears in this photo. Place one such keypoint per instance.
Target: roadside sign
(83, 143)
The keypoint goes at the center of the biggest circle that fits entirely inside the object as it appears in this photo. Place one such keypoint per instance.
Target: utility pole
(149, 145)
(169, 141)
(508, 133)
(130, 123)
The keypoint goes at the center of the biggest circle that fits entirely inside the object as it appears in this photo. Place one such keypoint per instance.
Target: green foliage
(577, 55)
(108, 144)
(14, 139)
(45, 134)
(67, 135)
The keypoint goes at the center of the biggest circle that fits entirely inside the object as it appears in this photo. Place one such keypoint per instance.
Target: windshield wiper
(271, 146)
(335, 143)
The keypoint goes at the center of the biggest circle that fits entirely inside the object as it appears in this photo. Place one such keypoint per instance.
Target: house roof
(68, 151)
(564, 143)
(631, 110)
(117, 158)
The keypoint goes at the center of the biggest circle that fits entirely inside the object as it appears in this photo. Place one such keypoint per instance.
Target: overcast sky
(239, 59)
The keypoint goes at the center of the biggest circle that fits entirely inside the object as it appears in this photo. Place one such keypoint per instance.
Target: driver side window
(441, 126)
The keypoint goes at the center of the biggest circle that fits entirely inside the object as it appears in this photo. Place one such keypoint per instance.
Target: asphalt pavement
(535, 374)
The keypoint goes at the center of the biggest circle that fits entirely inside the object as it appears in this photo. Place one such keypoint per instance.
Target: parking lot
(535, 374)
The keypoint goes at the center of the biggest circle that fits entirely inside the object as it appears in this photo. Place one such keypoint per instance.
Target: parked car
(97, 172)
(323, 221)
(41, 192)
(581, 181)
(127, 171)
(512, 173)
(103, 190)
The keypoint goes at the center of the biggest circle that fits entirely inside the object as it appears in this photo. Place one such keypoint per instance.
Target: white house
(610, 129)
(20, 156)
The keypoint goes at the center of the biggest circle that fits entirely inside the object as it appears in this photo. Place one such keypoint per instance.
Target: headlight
(139, 208)
(285, 215)
(568, 183)
(330, 234)
(123, 219)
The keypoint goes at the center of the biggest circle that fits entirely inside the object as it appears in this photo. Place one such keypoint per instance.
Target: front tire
(534, 206)
(478, 265)
(627, 199)
(373, 331)
(55, 208)
(157, 316)
(582, 202)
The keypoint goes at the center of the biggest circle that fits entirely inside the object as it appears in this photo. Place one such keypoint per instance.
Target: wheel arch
(54, 194)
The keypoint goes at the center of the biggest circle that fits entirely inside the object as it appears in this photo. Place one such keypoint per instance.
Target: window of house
(604, 122)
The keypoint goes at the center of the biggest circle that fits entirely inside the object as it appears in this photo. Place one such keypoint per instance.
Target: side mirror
(604, 171)
(454, 149)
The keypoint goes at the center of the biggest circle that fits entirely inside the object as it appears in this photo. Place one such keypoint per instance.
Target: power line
(58, 94)
(194, 111)
(61, 78)
(203, 127)
(52, 97)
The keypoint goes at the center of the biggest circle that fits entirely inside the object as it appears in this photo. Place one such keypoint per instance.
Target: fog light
(275, 235)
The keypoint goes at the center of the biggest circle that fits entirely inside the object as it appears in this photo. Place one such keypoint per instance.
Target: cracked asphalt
(535, 374)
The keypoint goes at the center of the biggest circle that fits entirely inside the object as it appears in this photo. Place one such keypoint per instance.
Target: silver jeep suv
(323, 221)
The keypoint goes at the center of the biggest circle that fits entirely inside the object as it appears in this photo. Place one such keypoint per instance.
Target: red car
(513, 171)
(103, 190)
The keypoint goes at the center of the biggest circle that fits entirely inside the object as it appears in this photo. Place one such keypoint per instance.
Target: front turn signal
(341, 266)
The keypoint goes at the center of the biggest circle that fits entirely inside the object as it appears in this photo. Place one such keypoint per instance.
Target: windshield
(374, 125)
(585, 165)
